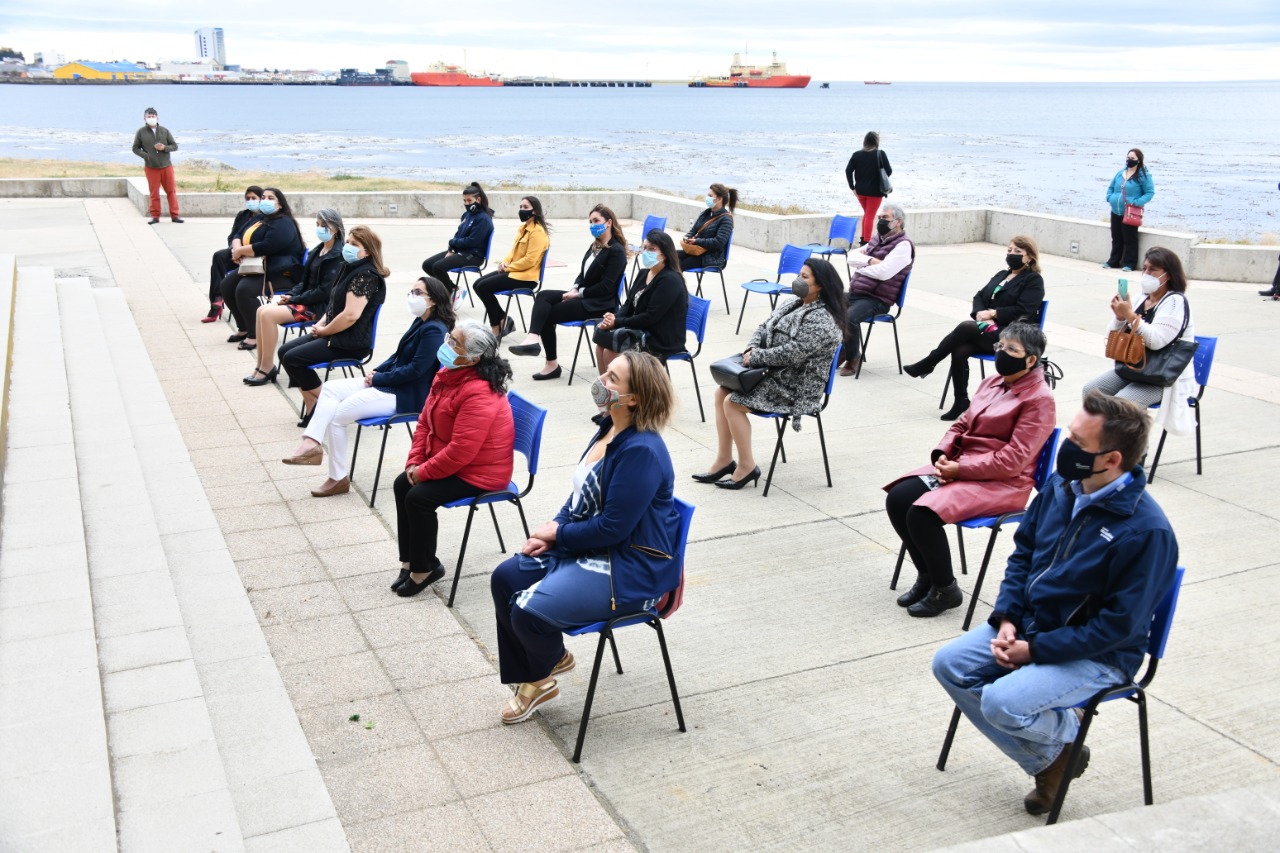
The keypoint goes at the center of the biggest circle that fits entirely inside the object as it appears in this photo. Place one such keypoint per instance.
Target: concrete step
(55, 777)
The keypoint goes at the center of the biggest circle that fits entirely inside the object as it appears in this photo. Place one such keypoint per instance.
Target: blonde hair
(656, 399)
(364, 235)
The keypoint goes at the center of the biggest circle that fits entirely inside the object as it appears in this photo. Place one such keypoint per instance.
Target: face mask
(883, 227)
(266, 207)
(1015, 262)
(151, 121)
(446, 356)
(598, 229)
(473, 207)
(1149, 283)
(605, 397)
(324, 235)
(1007, 365)
(525, 215)
(417, 305)
(350, 253)
(1075, 463)
(710, 201)
(648, 259)
(251, 204)
(1131, 162)
(800, 287)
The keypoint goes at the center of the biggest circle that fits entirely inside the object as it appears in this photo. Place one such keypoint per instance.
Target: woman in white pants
(397, 386)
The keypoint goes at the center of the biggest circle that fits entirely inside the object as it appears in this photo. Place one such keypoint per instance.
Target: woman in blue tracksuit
(1131, 185)
(612, 547)
(470, 242)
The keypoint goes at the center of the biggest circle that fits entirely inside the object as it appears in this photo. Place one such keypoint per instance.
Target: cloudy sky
(900, 40)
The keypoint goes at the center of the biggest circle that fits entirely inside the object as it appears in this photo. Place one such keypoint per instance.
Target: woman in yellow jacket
(520, 268)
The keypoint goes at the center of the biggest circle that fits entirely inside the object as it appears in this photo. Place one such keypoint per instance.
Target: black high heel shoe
(713, 476)
(269, 376)
(306, 418)
(237, 337)
(729, 483)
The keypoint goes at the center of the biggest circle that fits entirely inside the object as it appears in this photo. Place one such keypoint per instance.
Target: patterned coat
(799, 342)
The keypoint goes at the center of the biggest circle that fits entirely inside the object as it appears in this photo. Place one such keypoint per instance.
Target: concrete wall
(8, 292)
(64, 187)
(1055, 234)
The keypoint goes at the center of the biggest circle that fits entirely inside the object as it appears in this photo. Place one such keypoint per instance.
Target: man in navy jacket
(1093, 558)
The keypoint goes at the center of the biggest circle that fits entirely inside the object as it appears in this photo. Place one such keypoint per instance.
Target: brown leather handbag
(1126, 347)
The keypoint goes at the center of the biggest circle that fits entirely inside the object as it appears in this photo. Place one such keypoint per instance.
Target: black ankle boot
(917, 592)
(938, 601)
(919, 369)
(957, 409)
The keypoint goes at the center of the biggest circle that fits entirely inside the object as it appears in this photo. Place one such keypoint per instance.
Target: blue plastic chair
(1135, 691)
(665, 607)
(1202, 363)
(699, 272)
(589, 323)
(892, 319)
(842, 228)
(349, 365)
(1044, 468)
(984, 359)
(694, 321)
(529, 420)
(780, 421)
(384, 422)
(790, 262)
(650, 222)
(525, 291)
(461, 272)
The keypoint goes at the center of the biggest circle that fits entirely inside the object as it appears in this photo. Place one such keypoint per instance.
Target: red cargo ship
(440, 74)
(771, 76)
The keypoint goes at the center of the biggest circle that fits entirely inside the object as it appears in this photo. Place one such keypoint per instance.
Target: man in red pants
(153, 143)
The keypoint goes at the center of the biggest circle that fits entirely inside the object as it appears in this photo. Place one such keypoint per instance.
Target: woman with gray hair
(463, 447)
(306, 301)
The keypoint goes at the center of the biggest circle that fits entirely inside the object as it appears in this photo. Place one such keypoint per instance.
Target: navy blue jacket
(638, 522)
(1085, 588)
(277, 239)
(409, 371)
(472, 236)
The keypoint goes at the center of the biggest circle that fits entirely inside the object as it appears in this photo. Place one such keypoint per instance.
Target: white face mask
(1149, 283)
(151, 121)
(417, 305)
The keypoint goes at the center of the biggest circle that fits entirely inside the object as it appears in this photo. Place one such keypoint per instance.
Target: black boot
(917, 592)
(938, 601)
(958, 408)
(921, 368)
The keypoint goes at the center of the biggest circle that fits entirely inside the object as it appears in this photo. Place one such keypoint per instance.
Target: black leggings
(487, 286)
(550, 308)
(439, 266)
(219, 266)
(297, 356)
(963, 342)
(416, 522)
(1124, 244)
(921, 530)
(240, 294)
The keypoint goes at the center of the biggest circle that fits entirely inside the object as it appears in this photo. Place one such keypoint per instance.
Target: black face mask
(1015, 262)
(473, 207)
(883, 227)
(1131, 162)
(1007, 365)
(526, 215)
(1075, 463)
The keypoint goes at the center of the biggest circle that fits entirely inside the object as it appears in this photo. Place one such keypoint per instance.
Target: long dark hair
(615, 229)
(832, 293)
(1171, 264)
(1142, 164)
(728, 194)
(537, 212)
(287, 212)
(475, 189)
(444, 302)
(666, 247)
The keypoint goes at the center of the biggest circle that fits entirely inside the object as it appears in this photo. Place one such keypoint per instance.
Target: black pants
(438, 266)
(923, 532)
(861, 309)
(297, 356)
(219, 266)
(528, 647)
(550, 308)
(963, 342)
(1124, 244)
(416, 522)
(240, 294)
(492, 283)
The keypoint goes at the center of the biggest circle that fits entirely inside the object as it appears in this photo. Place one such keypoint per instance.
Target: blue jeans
(1025, 711)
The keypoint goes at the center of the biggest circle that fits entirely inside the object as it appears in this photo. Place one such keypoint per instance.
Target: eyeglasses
(1018, 353)
(417, 292)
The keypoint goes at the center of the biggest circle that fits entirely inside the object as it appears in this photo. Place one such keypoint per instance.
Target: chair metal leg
(613, 647)
(1151, 476)
(355, 451)
(698, 277)
(1199, 469)
(502, 549)
(893, 324)
(1145, 746)
(982, 573)
(777, 449)
(951, 736)
(1073, 760)
(866, 339)
(377, 474)
(964, 563)
(897, 570)
(946, 386)
(582, 331)
(656, 624)
(725, 290)
(745, 294)
(823, 441)
(697, 392)
(523, 523)
(591, 694)
(462, 552)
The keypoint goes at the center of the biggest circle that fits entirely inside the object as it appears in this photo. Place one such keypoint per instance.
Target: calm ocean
(1211, 147)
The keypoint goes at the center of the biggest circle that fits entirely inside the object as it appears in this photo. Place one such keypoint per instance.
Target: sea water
(1211, 147)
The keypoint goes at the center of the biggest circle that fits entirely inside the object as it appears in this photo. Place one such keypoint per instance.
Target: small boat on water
(875, 82)
(771, 76)
(440, 74)
(825, 86)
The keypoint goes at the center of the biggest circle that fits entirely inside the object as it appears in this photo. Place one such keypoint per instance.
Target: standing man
(1093, 558)
(153, 143)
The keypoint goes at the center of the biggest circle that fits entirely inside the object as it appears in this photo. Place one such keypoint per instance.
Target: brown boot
(1049, 780)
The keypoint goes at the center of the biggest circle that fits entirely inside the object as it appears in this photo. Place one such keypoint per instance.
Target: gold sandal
(566, 663)
(527, 699)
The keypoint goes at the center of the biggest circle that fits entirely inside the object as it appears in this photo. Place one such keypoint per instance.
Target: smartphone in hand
(1123, 289)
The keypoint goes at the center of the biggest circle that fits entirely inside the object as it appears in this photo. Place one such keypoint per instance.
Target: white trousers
(343, 402)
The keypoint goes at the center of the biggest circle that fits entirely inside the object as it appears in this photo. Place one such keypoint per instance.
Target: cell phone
(1124, 288)
(931, 481)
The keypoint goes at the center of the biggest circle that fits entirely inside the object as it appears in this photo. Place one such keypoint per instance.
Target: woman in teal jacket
(1131, 185)
(610, 550)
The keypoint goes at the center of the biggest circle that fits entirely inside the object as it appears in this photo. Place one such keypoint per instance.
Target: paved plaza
(185, 634)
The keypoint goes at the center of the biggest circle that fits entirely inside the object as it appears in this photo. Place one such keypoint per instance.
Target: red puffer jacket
(466, 430)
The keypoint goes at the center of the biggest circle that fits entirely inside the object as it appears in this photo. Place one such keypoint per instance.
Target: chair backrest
(488, 249)
(373, 339)
(1044, 312)
(651, 222)
(1203, 360)
(1048, 456)
(792, 259)
(529, 419)
(542, 269)
(843, 228)
(696, 319)
(902, 294)
(671, 602)
(1162, 619)
(622, 287)
(831, 377)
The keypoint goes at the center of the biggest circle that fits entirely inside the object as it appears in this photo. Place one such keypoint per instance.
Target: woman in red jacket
(984, 465)
(463, 447)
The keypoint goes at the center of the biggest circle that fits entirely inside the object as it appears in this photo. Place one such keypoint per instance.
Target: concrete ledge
(1216, 262)
(8, 291)
(63, 187)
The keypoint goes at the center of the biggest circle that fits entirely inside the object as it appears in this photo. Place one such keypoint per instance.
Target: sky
(906, 40)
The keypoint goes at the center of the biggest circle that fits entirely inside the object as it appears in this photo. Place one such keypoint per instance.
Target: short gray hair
(477, 340)
(333, 219)
(1031, 337)
(897, 212)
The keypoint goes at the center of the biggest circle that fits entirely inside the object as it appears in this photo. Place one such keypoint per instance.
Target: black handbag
(1163, 366)
(732, 374)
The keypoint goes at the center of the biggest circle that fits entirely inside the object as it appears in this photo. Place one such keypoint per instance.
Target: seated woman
(397, 386)
(275, 237)
(984, 465)
(464, 446)
(1161, 314)
(653, 317)
(595, 291)
(221, 263)
(612, 547)
(346, 329)
(797, 342)
(308, 298)
(709, 237)
(469, 242)
(520, 268)
(1013, 294)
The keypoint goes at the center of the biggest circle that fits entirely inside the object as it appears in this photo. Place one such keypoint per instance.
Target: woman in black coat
(274, 237)
(711, 232)
(653, 317)
(221, 263)
(594, 293)
(1014, 293)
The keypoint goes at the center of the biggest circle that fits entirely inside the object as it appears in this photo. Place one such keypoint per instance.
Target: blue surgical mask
(648, 259)
(266, 207)
(598, 229)
(446, 356)
(324, 235)
(251, 204)
(711, 201)
(350, 253)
